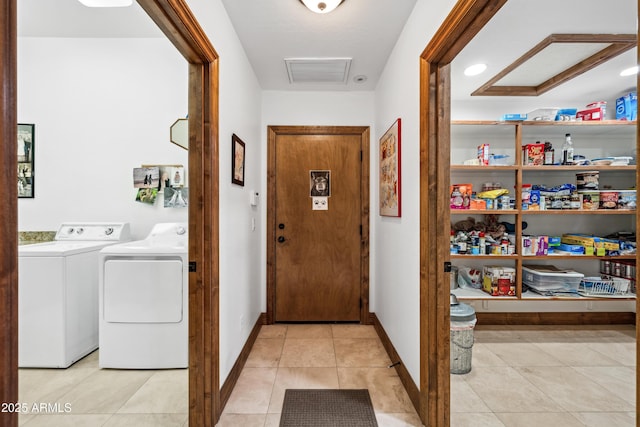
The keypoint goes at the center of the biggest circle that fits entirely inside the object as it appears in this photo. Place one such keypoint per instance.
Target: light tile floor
(104, 397)
(548, 376)
(316, 356)
(521, 377)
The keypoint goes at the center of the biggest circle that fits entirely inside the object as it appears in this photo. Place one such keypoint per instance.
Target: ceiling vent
(318, 70)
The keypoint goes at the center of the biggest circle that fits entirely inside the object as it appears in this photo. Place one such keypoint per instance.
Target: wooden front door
(316, 185)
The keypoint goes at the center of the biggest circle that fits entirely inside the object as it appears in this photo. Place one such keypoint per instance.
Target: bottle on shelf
(548, 153)
(567, 150)
(482, 243)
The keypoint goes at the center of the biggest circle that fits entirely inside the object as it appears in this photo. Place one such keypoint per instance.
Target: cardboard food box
(483, 154)
(594, 111)
(599, 244)
(627, 107)
(533, 154)
(535, 245)
(499, 281)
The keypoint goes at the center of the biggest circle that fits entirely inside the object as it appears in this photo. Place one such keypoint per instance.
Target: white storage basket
(599, 286)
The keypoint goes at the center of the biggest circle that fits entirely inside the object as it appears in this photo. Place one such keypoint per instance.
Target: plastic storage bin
(548, 278)
(463, 320)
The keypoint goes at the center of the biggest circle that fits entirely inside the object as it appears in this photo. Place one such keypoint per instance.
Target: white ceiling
(522, 24)
(366, 31)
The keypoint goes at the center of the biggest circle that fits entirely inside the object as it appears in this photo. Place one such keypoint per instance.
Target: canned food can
(617, 269)
(629, 271)
(605, 266)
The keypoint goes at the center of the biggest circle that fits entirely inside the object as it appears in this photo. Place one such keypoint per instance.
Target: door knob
(281, 239)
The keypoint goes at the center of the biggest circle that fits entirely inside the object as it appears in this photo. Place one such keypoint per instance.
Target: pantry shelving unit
(592, 139)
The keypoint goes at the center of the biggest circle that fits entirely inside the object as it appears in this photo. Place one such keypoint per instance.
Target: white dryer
(58, 294)
(144, 301)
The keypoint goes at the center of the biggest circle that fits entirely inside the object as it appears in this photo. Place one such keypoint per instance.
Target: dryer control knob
(108, 231)
(80, 230)
(181, 231)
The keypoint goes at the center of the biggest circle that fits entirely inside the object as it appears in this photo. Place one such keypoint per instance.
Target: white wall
(100, 107)
(396, 260)
(241, 284)
(288, 108)
(104, 106)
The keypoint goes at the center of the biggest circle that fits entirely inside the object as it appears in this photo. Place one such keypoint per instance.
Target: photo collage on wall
(168, 180)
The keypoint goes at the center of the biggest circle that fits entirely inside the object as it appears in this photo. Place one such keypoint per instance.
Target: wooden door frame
(272, 133)
(465, 20)
(9, 210)
(177, 22)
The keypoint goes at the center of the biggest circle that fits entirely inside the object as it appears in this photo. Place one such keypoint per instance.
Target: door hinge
(360, 230)
(447, 267)
(360, 302)
(361, 155)
(192, 266)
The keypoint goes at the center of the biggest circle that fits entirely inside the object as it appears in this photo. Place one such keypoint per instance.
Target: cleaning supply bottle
(567, 150)
(482, 243)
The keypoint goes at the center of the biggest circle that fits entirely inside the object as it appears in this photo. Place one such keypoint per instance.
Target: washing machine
(58, 294)
(144, 301)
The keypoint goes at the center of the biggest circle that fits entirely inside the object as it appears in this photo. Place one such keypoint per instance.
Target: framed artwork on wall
(237, 160)
(26, 141)
(389, 176)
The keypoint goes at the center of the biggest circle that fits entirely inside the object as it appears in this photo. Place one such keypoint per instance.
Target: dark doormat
(327, 408)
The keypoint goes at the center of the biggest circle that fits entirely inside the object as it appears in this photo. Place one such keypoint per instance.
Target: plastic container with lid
(463, 320)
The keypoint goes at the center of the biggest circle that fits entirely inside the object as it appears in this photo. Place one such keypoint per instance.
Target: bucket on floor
(463, 320)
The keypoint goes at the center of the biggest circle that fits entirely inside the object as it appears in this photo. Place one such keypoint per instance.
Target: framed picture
(390, 188)
(319, 183)
(237, 160)
(26, 140)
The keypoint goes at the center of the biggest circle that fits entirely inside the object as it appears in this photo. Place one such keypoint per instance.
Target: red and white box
(593, 112)
(483, 154)
(533, 154)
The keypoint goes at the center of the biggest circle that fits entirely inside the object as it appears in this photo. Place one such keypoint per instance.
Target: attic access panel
(318, 70)
(555, 60)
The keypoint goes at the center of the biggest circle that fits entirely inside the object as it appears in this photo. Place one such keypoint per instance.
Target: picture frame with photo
(26, 145)
(237, 160)
(390, 171)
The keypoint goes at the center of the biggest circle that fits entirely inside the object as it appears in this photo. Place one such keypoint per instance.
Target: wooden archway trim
(8, 210)
(465, 20)
(177, 22)
(461, 25)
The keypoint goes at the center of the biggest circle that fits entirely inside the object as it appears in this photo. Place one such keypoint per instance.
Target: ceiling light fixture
(321, 6)
(474, 70)
(629, 71)
(106, 3)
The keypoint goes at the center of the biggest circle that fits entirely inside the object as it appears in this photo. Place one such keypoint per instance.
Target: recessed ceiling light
(629, 71)
(474, 70)
(106, 3)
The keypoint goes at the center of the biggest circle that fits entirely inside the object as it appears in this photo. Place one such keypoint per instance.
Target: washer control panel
(116, 231)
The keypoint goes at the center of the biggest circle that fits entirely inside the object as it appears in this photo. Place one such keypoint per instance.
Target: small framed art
(390, 188)
(26, 141)
(237, 160)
